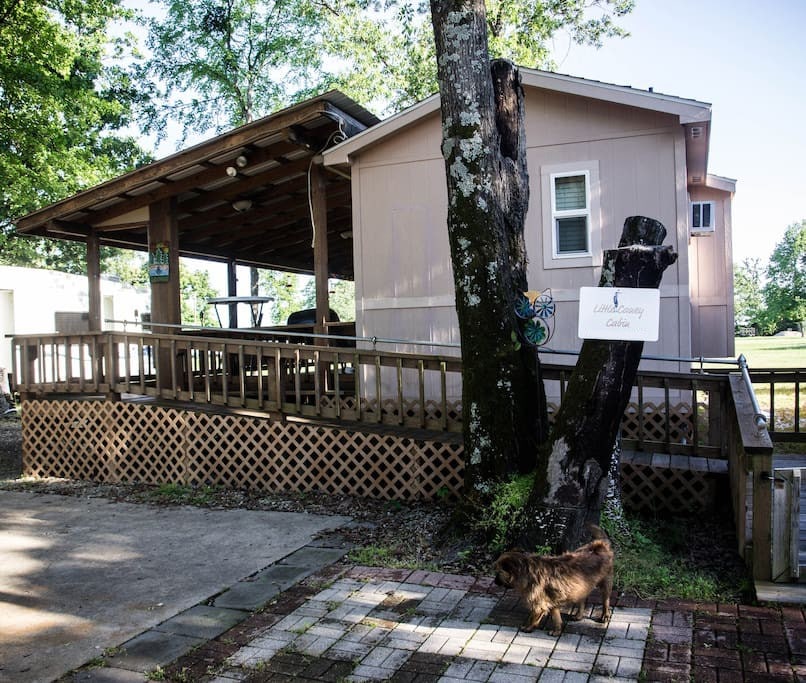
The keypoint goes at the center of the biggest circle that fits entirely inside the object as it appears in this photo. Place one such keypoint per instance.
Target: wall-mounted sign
(613, 313)
(158, 265)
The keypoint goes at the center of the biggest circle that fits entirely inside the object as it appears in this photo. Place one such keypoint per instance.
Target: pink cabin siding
(711, 285)
(635, 157)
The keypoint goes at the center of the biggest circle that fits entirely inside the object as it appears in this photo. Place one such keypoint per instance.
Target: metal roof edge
(689, 111)
(720, 183)
(340, 154)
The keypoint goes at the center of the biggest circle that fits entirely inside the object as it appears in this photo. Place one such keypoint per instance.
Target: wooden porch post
(232, 290)
(320, 255)
(94, 281)
(165, 297)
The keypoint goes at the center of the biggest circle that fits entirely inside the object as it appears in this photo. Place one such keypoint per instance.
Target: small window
(570, 204)
(702, 216)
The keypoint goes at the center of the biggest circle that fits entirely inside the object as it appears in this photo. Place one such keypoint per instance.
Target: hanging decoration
(158, 263)
(537, 309)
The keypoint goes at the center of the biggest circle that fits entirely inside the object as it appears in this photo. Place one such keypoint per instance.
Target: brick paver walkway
(402, 625)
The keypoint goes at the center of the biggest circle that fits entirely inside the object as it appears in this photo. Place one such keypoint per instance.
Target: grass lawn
(772, 352)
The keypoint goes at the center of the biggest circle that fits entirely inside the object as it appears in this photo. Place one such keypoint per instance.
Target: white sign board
(625, 314)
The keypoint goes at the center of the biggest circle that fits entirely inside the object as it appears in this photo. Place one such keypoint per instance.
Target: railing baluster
(297, 382)
(444, 389)
(378, 398)
(242, 374)
(317, 382)
(400, 391)
(259, 362)
(695, 417)
(337, 384)
(421, 378)
(797, 401)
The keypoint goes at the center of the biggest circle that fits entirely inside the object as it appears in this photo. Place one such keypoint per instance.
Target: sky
(748, 60)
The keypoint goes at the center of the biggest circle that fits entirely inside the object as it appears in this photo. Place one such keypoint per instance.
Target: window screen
(571, 212)
(569, 193)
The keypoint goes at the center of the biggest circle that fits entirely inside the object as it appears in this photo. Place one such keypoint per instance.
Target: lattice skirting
(660, 490)
(113, 441)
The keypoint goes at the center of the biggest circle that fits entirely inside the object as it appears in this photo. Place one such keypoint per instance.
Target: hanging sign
(614, 313)
(158, 263)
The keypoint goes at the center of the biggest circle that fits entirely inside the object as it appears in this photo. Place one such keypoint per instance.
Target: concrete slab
(78, 575)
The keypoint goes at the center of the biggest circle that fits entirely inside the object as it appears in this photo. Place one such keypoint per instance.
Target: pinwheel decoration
(537, 309)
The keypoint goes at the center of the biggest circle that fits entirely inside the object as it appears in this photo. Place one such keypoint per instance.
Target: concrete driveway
(78, 575)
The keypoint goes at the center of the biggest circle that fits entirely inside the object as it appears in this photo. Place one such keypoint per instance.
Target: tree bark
(572, 473)
(488, 195)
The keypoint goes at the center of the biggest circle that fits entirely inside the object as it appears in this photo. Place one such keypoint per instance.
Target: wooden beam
(318, 199)
(211, 174)
(165, 304)
(94, 281)
(240, 137)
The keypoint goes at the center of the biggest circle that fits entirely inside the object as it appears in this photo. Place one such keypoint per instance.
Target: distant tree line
(772, 298)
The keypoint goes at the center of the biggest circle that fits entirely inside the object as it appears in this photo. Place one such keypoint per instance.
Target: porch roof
(265, 164)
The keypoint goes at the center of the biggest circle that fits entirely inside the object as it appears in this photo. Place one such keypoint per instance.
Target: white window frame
(571, 213)
(703, 228)
(552, 258)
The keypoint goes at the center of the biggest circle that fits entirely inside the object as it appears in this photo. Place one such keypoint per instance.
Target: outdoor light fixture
(241, 205)
(232, 171)
(241, 161)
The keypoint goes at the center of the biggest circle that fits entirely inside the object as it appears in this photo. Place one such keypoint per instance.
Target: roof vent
(696, 179)
(696, 132)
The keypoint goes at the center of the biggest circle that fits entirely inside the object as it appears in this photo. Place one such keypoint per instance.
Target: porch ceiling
(275, 232)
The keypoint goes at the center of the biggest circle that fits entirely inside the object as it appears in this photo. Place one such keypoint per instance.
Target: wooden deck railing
(346, 384)
(669, 413)
(779, 392)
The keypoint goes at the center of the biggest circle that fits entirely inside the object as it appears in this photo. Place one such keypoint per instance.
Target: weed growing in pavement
(180, 494)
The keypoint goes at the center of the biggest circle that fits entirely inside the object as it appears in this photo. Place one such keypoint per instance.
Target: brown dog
(549, 582)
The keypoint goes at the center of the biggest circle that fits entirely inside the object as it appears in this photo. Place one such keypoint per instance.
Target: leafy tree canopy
(785, 291)
(215, 65)
(61, 109)
(748, 294)
(386, 49)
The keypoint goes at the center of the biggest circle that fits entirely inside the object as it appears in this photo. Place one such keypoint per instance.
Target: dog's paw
(555, 633)
(528, 628)
(605, 616)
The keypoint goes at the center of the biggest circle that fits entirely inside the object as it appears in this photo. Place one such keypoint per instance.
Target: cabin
(597, 153)
(370, 406)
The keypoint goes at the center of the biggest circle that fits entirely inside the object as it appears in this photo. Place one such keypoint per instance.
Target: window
(571, 224)
(702, 216)
(570, 203)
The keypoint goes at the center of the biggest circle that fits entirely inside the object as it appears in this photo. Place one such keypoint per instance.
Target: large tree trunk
(488, 194)
(572, 472)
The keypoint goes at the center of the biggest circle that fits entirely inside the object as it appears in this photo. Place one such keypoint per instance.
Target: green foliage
(748, 293)
(285, 288)
(195, 290)
(650, 562)
(498, 518)
(62, 103)
(386, 50)
(224, 64)
(785, 291)
(180, 494)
